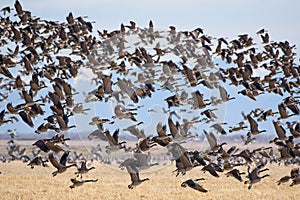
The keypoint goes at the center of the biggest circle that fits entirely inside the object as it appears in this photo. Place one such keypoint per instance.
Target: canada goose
(254, 177)
(107, 84)
(61, 165)
(70, 18)
(190, 76)
(182, 157)
(99, 122)
(173, 101)
(54, 147)
(97, 134)
(58, 109)
(187, 124)
(133, 172)
(226, 155)
(212, 140)
(172, 127)
(183, 163)
(253, 126)
(210, 168)
(240, 126)
(294, 172)
(144, 144)
(224, 95)
(132, 25)
(265, 38)
(197, 157)
(293, 131)
(77, 183)
(122, 113)
(45, 127)
(280, 131)
(295, 181)
(132, 93)
(63, 122)
(35, 85)
(248, 93)
(19, 83)
(209, 114)
(266, 114)
(11, 109)
(264, 153)
(142, 160)
(133, 129)
(297, 127)
(41, 144)
(37, 161)
(219, 128)
(285, 153)
(246, 154)
(283, 112)
(113, 140)
(59, 139)
(248, 140)
(236, 174)
(161, 129)
(78, 108)
(151, 26)
(18, 8)
(12, 133)
(3, 120)
(83, 169)
(6, 9)
(183, 133)
(162, 139)
(292, 104)
(283, 180)
(26, 118)
(261, 31)
(193, 184)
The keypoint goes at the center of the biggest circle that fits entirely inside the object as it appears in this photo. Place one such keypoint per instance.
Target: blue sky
(218, 18)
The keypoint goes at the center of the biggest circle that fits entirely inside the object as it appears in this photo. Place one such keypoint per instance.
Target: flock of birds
(45, 57)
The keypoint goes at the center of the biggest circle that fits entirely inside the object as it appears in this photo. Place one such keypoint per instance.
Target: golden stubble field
(19, 181)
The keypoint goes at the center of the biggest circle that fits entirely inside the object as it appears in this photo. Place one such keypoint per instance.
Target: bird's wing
(199, 188)
(54, 162)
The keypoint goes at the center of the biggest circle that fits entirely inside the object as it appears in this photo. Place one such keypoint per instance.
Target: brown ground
(18, 181)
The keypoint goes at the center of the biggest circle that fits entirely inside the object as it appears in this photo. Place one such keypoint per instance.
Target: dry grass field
(18, 181)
